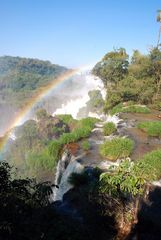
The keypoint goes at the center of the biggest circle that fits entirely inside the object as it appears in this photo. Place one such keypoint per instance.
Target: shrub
(67, 138)
(66, 118)
(85, 145)
(41, 160)
(153, 129)
(117, 148)
(41, 114)
(109, 128)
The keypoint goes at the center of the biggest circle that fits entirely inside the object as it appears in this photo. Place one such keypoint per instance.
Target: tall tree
(113, 67)
(159, 20)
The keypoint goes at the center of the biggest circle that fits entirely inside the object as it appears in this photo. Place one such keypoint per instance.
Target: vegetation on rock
(117, 148)
(153, 129)
(86, 145)
(109, 128)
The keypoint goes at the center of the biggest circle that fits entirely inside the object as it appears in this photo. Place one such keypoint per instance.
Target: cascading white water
(75, 103)
(66, 165)
(72, 106)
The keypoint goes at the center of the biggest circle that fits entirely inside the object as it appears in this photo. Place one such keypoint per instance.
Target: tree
(113, 67)
(22, 203)
(41, 114)
(159, 20)
(155, 56)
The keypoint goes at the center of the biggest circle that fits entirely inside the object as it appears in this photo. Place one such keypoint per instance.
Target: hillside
(19, 80)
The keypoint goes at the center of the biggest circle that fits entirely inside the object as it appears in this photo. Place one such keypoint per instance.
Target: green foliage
(117, 109)
(55, 148)
(88, 122)
(66, 118)
(41, 114)
(41, 160)
(68, 138)
(20, 80)
(136, 109)
(153, 129)
(83, 130)
(109, 128)
(124, 179)
(150, 165)
(26, 73)
(140, 81)
(129, 109)
(117, 148)
(86, 145)
(96, 101)
(113, 66)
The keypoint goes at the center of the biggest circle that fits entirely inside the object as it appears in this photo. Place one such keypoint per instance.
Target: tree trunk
(159, 36)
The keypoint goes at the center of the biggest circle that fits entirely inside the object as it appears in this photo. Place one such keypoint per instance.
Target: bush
(117, 148)
(66, 118)
(153, 129)
(41, 114)
(67, 138)
(42, 160)
(85, 145)
(109, 128)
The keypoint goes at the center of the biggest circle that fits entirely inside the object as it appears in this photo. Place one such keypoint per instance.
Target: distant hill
(19, 80)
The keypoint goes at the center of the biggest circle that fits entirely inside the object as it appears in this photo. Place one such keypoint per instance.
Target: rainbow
(41, 93)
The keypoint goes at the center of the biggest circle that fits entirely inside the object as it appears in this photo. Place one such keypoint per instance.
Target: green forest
(20, 78)
(136, 80)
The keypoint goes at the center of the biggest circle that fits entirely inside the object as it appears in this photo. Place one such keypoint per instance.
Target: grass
(153, 129)
(129, 109)
(117, 148)
(86, 145)
(150, 165)
(83, 130)
(109, 128)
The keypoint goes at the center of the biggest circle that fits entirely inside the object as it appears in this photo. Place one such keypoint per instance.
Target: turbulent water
(66, 165)
(79, 97)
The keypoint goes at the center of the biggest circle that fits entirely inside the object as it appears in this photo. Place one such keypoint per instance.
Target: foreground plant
(120, 190)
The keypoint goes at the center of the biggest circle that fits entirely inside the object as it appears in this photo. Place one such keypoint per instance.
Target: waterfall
(67, 164)
(76, 101)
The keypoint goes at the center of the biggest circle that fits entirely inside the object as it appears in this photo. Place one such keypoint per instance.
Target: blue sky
(76, 32)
